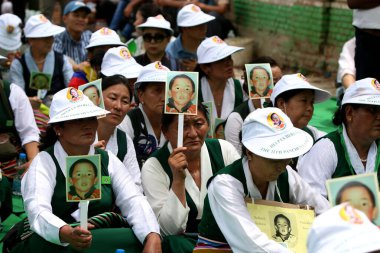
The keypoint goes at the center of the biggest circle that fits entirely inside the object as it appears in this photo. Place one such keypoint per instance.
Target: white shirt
(24, 118)
(367, 18)
(319, 164)
(233, 127)
(130, 161)
(172, 215)
(226, 197)
(38, 187)
(347, 60)
(228, 97)
(126, 126)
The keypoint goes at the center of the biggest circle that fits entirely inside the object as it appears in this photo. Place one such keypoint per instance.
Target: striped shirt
(76, 50)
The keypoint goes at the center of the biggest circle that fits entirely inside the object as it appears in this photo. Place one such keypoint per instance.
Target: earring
(349, 119)
(58, 134)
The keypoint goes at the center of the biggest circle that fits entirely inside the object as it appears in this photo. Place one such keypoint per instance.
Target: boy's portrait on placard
(283, 231)
(260, 80)
(209, 107)
(83, 178)
(219, 128)
(40, 81)
(361, 191)
(181, 93)
(93, 91)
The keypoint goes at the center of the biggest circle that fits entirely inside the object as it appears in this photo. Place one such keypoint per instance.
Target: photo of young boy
(260, 80)
(40, 81)
(93, 91)
(82, 178)
(283, 230)
(360, 190)
(181, 93)
(209, 107)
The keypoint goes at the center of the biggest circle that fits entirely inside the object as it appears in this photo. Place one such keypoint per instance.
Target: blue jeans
(119, 14)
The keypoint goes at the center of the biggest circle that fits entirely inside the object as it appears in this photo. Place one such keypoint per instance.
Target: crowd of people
(158, 195)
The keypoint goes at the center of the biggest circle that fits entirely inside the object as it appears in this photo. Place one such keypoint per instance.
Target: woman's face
(117, 100)
(155, 40)
(264, 169)
(299, 108)
(195, 128)
(222, 69)
(42, 45)
(364, 121)
(153, 98)
(80, 132)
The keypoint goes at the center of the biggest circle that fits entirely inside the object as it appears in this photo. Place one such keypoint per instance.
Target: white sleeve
(16, 74)
(37, 190)
(318, 165)
(346, 60)
(133, 205)
(130, 162)
(126, 126)
(232, 130)
(67, 70)
(226, 198)
(24, 118)
(302, 193)
(172, 215)
(229, 152)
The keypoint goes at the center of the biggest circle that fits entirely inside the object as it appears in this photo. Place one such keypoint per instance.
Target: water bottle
(16, 186)
(120, 251)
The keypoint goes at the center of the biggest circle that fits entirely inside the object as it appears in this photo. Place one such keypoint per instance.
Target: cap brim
(282, 146)
(79, 112)
(364, 99)
(223, 53)
(153, 26)
(319, 94)
(104, 43)
(51, 31)
(197, 21)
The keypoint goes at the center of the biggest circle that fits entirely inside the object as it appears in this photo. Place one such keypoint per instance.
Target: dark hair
(149, 10)
(97, 58)
(340, 114)
(287, 95)
(256, 68)
(167, 119)
(266, 59)
(278, 216)
(352, 184)
(108, 81)
(182, 76)
(49, 137)
(83, 160)
(92, 86)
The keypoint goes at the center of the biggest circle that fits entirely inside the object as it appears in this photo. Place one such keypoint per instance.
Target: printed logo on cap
(349, 214)
(105, 31)
(10, 28)
(124, 53)
(301, 76)
(375, 84)
(217, 40)
(43, 19)
(276, 121)
(74, 95)
(195, 8)
(159, 66)
(160, 17)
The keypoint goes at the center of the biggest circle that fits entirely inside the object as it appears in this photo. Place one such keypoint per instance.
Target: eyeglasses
(155, 37)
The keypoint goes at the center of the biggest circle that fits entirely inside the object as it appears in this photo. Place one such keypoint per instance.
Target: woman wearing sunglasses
(156, 33)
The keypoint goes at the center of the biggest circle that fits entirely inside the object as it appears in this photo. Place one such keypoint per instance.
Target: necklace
(40, 61)
(363, 160)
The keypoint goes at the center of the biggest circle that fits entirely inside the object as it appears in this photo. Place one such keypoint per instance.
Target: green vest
(208, 227)
(217, 163)
(238, 94)
(63, 209)
(294, 161)
(122, 148)
(342, 168)
(7, 124)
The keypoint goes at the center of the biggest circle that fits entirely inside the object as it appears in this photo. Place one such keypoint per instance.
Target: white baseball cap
(191, 15)
(156, 22)
(214, 49)
(118, 60)
(38, 26)
(297, 82)
(10, 32)
(343, 229)
(70, 103)
(104, 37)
(154, 72)
(269, 133)
(364, 91)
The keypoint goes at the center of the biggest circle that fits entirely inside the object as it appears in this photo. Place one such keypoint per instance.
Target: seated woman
(143, 124)
(117, 99)
(262, 173)
(353, 148)
(216, 79)
(174, 178)
(73, 125)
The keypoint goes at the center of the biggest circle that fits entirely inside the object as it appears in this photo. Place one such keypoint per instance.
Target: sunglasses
(153, 37)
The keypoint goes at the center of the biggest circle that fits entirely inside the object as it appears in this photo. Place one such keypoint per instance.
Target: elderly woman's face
(266, 170)
(80, 132)
(364, 121)
(195, 128)
(42, 45)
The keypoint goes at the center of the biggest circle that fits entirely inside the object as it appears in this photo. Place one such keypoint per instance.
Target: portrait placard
(40, 81)
(93, 91)
(260, 80)
(219, 128)
(210, 110)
